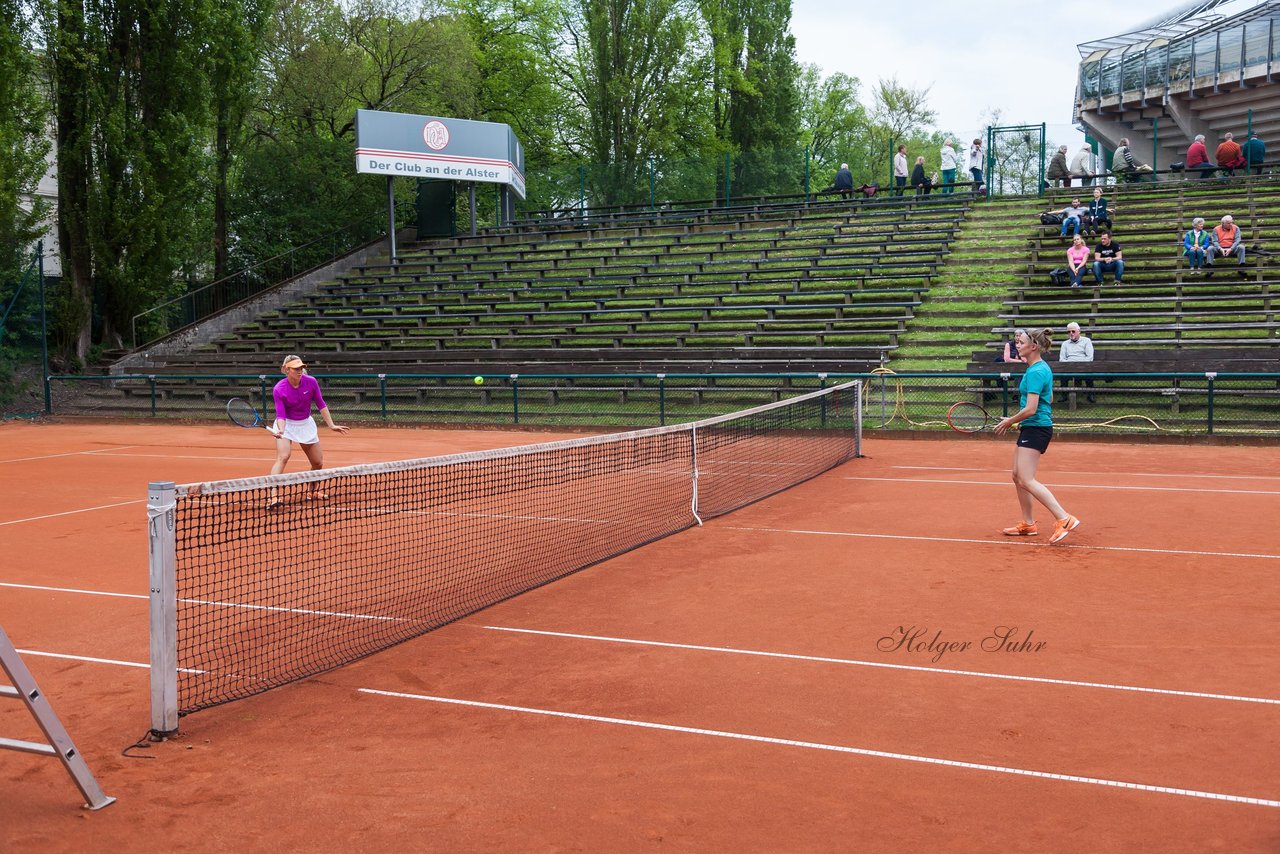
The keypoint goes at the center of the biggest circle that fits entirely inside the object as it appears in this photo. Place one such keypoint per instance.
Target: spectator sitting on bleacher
(1229, 154)
(1124, 163)
(1072, 215)
(1108, 259)
(1227, 240)
(1077, 348)
(1009, 353)
(1099, 215)
(1198, 158)
(919, 180)
(1255, 152)
(1195, 245)
(843, 183)
(1077, 260)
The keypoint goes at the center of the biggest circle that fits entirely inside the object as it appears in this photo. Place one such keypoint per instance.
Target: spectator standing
(1255, 153)
(1195, 246)
(1107, 258)
(976, 164)
(919, 180)
(1058, 171)
(950, 163)
(1229, 154)
(1198, 157)
(1073, 215)
(1225, 239)
(900, 169)
(1080, 166)
(1077, 260)
(1077, 348)
(1099, 214)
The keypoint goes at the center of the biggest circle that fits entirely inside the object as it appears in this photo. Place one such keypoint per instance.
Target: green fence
(1116, 404)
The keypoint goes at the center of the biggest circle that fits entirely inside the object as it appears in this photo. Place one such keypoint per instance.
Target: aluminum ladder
(23, 687)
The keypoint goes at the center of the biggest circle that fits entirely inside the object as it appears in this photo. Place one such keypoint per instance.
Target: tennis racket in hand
(965, 417)
(242, 414)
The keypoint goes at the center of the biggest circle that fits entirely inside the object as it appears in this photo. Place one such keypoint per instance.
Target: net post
(161, 517)
(857, 419)
(822, 409)
(515, 398)
(693, 456)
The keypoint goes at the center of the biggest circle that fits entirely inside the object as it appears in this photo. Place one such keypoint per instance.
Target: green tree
(899, 113)
(633, 93)
(23, 139)
(755, 91)
(836, 127)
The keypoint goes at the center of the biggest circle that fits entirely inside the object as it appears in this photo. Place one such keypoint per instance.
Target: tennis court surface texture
(859, 663)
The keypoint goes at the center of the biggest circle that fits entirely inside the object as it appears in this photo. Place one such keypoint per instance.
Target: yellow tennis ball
(478, 381)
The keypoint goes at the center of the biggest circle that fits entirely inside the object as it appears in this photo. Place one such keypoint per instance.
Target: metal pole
(1210, 376)
(515, 397)
(662, 400)
(44, 333)
(1248, 133)
(728, 164)
(1155, 147)
(806, 173)
(653, 187)
(471, 202)
(382, 392)
(582, 190)
(1040, 188)
(391, 222)
(161, 507)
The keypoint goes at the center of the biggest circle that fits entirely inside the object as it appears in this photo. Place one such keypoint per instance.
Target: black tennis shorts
(1035, 437)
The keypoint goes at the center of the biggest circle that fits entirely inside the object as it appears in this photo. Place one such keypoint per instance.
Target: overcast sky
(1018, 55)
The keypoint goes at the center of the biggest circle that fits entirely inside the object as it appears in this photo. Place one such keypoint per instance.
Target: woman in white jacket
(975, 164)
(948, 166)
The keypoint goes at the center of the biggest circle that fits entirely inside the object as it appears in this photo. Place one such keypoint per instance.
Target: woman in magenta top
(294, 396)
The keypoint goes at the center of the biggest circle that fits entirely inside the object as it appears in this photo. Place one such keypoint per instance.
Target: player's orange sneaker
(1022, 529)
(1062, 527)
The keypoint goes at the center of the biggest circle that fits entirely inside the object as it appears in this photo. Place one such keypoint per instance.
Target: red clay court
(805, 674)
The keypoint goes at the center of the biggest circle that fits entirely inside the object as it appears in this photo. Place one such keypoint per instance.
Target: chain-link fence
(1116, 404)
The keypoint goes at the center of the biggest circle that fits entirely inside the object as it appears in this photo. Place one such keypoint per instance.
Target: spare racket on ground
(242, 414)
(965, 417)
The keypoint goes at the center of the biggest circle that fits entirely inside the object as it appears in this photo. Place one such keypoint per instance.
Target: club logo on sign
(435, 135)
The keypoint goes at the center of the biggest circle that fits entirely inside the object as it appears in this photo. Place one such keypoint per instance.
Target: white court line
(1100, 473)
(887, 666)
(74, 590)
(308, 612)
(1006, 483)
(72, 512)
(1004, 542)
(84, 658)
(835, 748)
(68, 454)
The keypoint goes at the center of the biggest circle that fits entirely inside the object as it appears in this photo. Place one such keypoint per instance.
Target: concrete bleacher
(790, 284)
(1164, 316)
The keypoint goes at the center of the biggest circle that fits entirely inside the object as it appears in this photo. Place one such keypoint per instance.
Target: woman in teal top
(1035, 431)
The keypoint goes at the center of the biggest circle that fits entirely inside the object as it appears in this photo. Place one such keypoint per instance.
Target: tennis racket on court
(965, 417)
(242, 414)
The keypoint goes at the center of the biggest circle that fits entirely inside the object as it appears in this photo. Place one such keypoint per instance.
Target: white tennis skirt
(302, 432)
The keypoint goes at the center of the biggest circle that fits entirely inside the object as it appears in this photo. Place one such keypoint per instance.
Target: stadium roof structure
(1205, 67)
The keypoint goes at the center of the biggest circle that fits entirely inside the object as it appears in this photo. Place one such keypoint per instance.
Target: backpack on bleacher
(1051, 219)
(1060, 276)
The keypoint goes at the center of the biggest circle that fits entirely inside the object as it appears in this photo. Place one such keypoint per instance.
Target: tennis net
(259, 582)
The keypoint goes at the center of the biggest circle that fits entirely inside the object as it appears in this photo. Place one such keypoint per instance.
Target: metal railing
(1115, 404)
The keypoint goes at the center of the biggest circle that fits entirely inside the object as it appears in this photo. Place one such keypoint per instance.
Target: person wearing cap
(1077, 348)
(1224, 240)
(294, 396)
(1058, 170)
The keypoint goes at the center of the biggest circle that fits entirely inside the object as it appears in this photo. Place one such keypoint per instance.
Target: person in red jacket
(1198, 158)
(1229, 154)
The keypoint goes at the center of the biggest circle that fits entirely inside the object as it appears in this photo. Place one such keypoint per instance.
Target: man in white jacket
(1080, 166)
